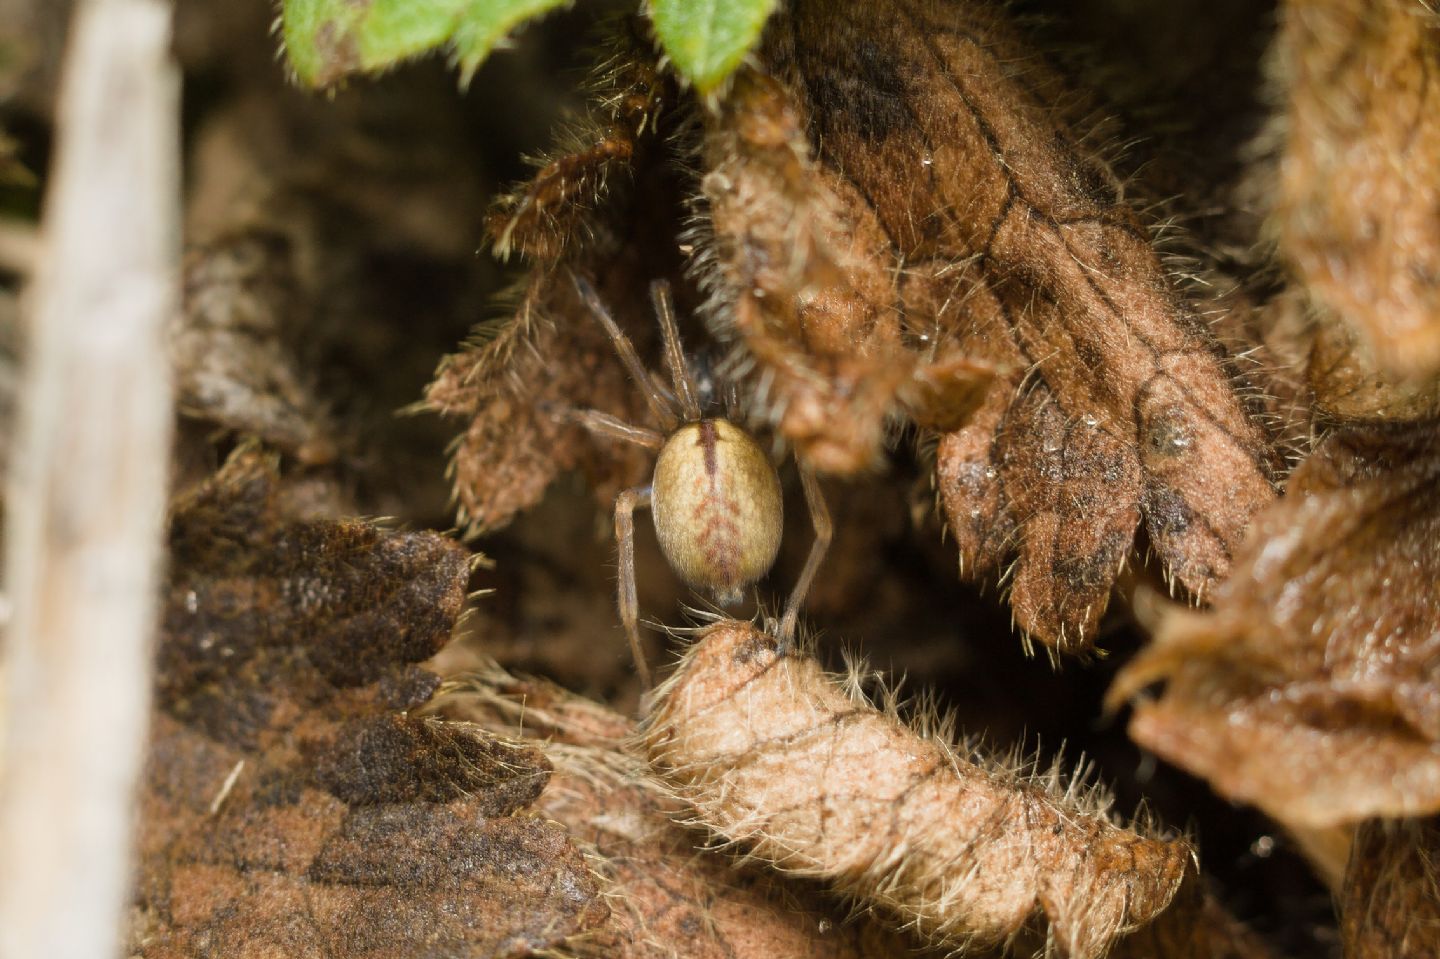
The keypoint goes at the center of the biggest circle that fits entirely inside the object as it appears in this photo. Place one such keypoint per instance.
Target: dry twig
(87, 489)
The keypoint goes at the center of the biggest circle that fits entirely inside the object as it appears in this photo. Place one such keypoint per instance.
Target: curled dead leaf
(1313, 687)
(774, 756)
(666, 899)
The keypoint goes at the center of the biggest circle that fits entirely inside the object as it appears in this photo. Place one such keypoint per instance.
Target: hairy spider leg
(603, 424)
(661, 405)
(824, 530)
(626, 503)
(680, 376)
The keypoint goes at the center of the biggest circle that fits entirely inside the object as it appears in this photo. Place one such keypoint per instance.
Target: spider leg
(661, 405)
(603, 424)
(680, 376)
(625, 505)
(824, 530)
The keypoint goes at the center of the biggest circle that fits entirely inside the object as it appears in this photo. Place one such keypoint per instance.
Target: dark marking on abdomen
(707, 442)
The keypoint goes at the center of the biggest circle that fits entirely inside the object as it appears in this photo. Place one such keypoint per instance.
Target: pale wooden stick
(85, 508)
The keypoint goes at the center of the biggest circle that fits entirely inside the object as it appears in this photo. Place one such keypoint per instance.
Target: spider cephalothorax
(714, 496)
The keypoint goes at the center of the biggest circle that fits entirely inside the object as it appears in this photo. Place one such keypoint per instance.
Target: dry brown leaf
(546, 216)
(667, 899)
(1356, 216)
(1074, 484)
(233, 364)
(1012, 243)
(774, 756)
(1313, 688)
(292, 805)
(801, 273)
(517, 387)
(518, 382)
(1390, 906)
(1195, 926)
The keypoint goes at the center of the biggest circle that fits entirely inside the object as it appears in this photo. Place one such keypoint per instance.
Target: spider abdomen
(717, 507)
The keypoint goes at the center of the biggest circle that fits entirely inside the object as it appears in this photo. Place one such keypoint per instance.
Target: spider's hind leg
(824, 530)
(625, 505)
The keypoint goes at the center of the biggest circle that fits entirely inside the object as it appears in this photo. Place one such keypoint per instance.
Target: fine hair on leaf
(783, 761)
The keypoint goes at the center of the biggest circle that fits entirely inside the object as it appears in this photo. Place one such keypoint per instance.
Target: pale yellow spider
(714, 496)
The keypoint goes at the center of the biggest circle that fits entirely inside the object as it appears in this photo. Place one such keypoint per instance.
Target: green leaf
(488, 22)
(706, 39)
(329, 39)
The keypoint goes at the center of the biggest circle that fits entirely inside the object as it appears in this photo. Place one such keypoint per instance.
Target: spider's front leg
(603, 424)
(625, 505)
(820, 519)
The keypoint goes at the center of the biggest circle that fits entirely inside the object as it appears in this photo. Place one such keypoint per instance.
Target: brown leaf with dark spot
(1313, 688)
(1073, 481)
(1358, 215)
(292, 805)
(801, 273)
(1013, 246)
(1390, 905)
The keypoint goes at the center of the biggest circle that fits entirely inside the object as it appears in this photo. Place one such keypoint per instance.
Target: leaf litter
(292, 802)
(1026, 328)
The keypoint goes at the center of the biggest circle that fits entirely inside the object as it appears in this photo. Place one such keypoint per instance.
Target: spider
(714, 496)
